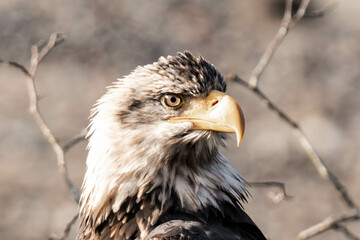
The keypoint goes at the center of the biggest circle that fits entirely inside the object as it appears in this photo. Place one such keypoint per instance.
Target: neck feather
(115, 174)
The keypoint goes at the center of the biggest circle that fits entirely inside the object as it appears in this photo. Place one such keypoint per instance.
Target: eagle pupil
(173, 99)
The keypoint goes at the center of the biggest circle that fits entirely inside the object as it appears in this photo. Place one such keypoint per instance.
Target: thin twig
(328, 224)
(299, 13)
(16, 65)
(275, 197)
(75, 140)
(316, 229)
(323, 11)
(286, 24)
(346, 232)
(67, 229)
(36, 58)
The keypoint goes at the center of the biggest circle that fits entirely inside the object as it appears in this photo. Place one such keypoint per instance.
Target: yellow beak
(217, 112)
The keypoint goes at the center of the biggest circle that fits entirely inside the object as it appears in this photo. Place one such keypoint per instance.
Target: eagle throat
(188, 179)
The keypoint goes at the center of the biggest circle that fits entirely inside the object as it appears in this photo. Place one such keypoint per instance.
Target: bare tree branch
(319, 163)
(36, 58)
(286, 24)
(67, 229)
(331, 222)
(275, 197)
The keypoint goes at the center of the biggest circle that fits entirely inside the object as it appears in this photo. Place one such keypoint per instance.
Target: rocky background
(314, 77)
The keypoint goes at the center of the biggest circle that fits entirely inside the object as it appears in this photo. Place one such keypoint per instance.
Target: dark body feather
(150, 179)
(171, 222)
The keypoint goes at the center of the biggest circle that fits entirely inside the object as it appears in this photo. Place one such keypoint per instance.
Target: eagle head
(155, 135)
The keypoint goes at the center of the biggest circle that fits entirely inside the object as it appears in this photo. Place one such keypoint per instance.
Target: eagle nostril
(214, 102)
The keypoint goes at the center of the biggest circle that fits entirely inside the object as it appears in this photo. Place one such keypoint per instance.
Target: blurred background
(314, 77)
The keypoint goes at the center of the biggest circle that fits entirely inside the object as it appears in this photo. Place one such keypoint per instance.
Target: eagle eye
(171, 100)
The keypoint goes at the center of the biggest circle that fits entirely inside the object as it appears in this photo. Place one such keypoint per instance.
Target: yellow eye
(171, 100)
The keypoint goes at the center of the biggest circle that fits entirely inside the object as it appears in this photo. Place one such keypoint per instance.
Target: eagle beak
(217, 112)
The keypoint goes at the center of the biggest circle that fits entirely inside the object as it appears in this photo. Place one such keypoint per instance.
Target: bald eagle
(154, 170)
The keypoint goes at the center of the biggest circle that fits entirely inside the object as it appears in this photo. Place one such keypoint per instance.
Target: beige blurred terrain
(314, 77)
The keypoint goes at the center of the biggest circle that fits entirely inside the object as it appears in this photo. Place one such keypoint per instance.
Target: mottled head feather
(189, 75)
